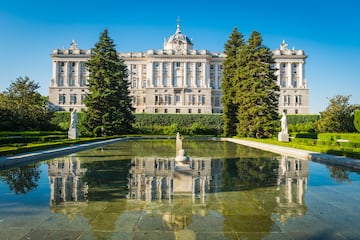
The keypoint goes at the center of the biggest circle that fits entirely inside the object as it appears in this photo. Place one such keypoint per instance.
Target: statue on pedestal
(180, 152)
(283, 135)
(73, 131)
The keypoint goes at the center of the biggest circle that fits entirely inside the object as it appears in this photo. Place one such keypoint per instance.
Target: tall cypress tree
(258, 94)
(232, 46)
(109, 109)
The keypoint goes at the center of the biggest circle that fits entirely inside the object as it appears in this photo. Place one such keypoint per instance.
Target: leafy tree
(357, 120)
(22, 107)
(257, 93)
(232, 46)
(109, 110)
(338, 116)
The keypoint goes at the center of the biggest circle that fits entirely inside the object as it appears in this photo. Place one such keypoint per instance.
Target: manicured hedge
(185, 123)
(352, 137)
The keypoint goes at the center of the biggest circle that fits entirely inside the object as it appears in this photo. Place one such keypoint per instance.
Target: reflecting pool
(136, 190)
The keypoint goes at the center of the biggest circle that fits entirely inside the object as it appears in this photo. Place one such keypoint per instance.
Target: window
(283, 82)
(72, 82)
(198, 64)
(177, 110)
(82, 98)
(82, 67)
(177, 64)
(298, 99)
(73, 64)
(62, 99)
(296, 111)
(156, 110)
(167, 99)
(189, 111)
(62, 64)
(72, 98)
(61, 82)
(287, 100)
(82, 82)
(165, 110)
(199, 110)
(177, 99)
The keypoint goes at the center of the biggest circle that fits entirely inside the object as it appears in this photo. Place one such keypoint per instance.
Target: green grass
(15, 148)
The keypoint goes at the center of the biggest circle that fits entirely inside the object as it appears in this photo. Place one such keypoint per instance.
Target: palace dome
(178, 41)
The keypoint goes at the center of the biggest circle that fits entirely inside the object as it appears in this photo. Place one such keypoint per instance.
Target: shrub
(357, 120)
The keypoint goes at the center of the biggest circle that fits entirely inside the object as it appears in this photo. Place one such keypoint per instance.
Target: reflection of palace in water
(153, 178)
(160, 179)
(292, 184)
(66, 183)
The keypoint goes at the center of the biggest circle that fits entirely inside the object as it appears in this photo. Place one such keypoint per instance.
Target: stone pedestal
(73, 133)
(283, 137)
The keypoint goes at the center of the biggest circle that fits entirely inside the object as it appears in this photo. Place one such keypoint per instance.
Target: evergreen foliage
(338, 116)
(109, 110)
(232, 46)
(257, 93)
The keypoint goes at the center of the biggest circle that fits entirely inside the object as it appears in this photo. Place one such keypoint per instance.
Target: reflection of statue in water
(73, 131)
(284, 127)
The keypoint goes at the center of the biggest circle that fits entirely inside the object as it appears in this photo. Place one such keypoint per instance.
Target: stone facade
(175, 79)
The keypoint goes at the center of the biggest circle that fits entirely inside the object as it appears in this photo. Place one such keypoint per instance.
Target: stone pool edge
(9, 161)
(299, 153)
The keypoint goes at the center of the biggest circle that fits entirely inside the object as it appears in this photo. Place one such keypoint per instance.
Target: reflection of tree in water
(21, 180)
(249, 173)
(107, 180)
(339, 174)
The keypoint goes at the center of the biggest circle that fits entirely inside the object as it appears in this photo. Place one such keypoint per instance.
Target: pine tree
(232, 46)
(257, 93)
(109, 109)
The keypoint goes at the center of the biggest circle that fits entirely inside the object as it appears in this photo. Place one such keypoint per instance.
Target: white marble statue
(283, 135)
(284, 126)
(74, 119)
(73, 131)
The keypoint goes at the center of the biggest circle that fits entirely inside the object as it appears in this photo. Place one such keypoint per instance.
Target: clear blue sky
(328, 31)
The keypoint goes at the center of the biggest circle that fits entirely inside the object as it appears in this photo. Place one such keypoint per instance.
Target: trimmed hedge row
(189, 124)
(332, 137)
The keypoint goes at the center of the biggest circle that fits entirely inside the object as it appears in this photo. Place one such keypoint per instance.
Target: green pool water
(136, 190)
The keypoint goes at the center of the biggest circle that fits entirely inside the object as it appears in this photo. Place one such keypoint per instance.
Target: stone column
(301, 75)
(66, 74)
(78, 72)
(160, 73)
(171, 69)
(289, 73)
(206, 74)
(55, 73)
(184, 75)
(149, 74)
(216, 77)
(279, 74)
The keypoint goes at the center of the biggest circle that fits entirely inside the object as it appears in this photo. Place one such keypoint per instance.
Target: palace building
(175, 79)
